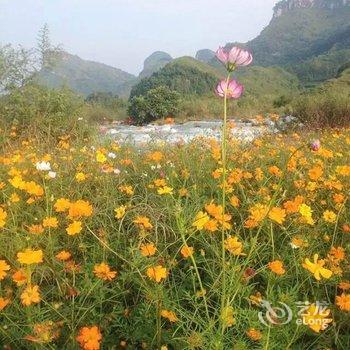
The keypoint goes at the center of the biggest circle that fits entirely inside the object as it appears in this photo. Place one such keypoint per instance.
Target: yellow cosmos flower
(3, 216)
(227, 316)
(74, 228)
(100, 157)
(233, 245)
(3, 268)
(51, 222)
(278, 215)
(200, 220)
(30, 256)
(316, 268)
(165, 190)
(157, 273)
(80, 177)
(30, 296)
(330, 216)
(62, 205)
(317, 318)
(148, 249)
(120, 212)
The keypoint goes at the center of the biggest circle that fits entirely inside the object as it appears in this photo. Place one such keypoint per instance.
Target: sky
(122, 33)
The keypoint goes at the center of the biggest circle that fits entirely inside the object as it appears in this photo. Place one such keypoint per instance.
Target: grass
(153, 217)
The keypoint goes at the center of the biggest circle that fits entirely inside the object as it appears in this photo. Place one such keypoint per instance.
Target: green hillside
(301, 34)
(154, 63)
(85, 77)
(196, 81)
(320, 68)
(309, 38)
(185, 75)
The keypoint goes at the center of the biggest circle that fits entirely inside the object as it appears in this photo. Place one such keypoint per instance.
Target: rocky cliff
(285, 6)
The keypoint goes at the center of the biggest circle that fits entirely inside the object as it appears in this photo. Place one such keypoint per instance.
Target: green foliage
(185, 75)
(327, 106)
(320, 68)
(105, 107)
(16, 67)
(42, 112)
(159, 102)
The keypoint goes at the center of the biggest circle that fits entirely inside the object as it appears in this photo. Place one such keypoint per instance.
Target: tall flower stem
(223, 203)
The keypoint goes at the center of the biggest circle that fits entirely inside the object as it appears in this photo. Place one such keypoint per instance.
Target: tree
(16, 67)
(47, 53)
(157, 103)
(19, 65)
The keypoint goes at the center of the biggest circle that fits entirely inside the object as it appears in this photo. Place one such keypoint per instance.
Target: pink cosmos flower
(315, 145)
(234, 57)
(232, 89)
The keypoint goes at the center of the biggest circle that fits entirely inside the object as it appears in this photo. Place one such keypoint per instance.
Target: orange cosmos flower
(4, 303)
(3, 268)
(276, 266)
(157, 273)
(343, 302)
(79, 209)
(63, 255)
(74, 228)
(186, 251)
(170, 315)
(51, 222)
(30, 295)
(30, 256)
(36, 229)
(89, 338)
(278, 215)
(62, 205)
(143, 222)
(254, 334)
(315, 173)
(148, 249)
(19, 277)
(104, 272)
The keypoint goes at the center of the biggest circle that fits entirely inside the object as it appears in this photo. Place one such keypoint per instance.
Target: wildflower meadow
(211, 244)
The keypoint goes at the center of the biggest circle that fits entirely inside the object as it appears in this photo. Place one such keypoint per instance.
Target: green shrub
(323, 109)
(155, 104)
(44, 113)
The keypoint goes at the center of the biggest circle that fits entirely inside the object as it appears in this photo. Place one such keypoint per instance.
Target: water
(245, 131)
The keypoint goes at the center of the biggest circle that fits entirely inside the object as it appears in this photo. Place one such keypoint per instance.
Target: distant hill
(205, 55)
(185, 75)
(191, 77)
(303, 30)
(310, 38)
(154, 63)
(85, 76)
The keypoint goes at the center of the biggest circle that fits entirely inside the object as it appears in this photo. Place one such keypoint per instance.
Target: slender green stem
(223, 202)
